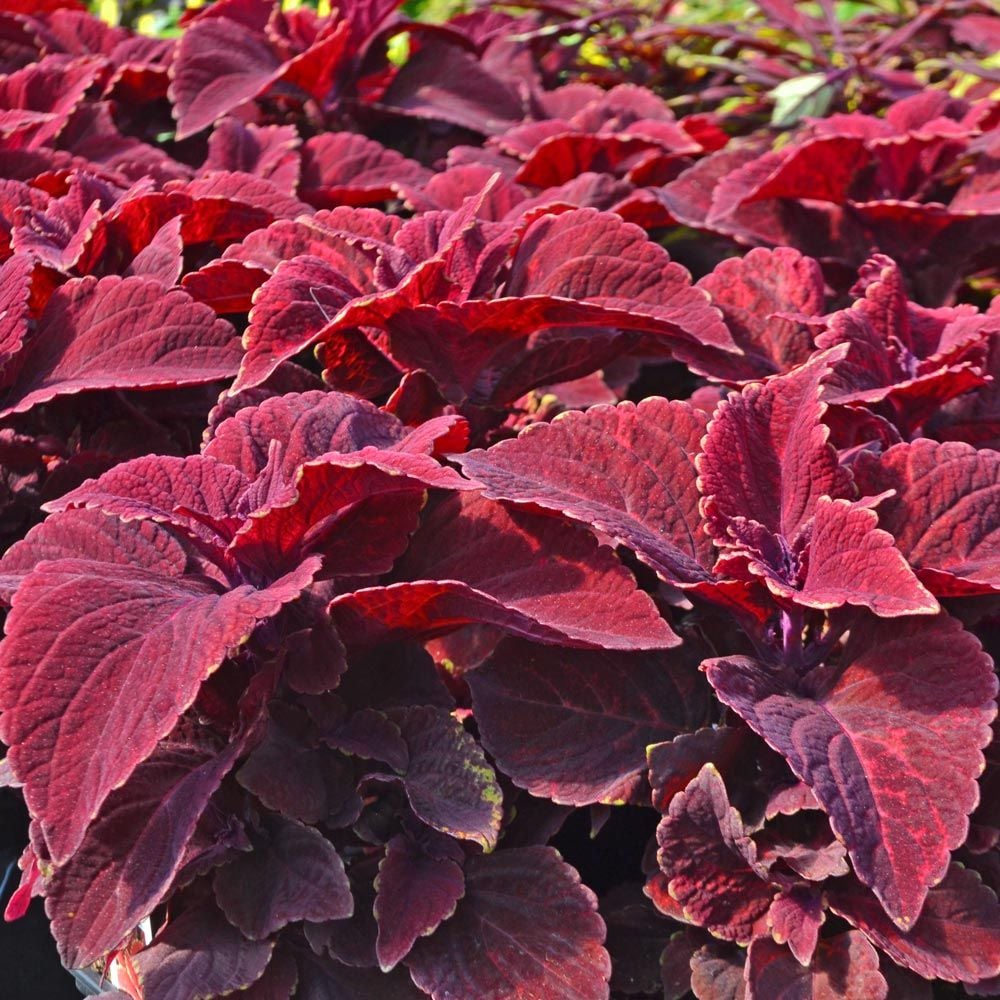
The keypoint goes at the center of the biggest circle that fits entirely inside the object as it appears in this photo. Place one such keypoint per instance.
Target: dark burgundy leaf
(845, 967)
(889, 738)
(415, 890)
(710, 862)
(137, 842)
(525, 926)
(573, 725)
(957, 937)
(199, 953)
(293, 873)
(91, 650)
(120, 333)
(447, 780)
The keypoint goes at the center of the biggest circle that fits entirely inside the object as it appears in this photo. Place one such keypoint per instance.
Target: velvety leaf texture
(710, 861)
(525, 925)
(294, 874)
(417, 888)
(65, 678)
(573, 725)
(628, 471)
(889, 740)
(120, 333)
(580, 594)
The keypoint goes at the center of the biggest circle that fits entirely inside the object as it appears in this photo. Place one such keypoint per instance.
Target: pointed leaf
(415, 890)
(627, 470)
(845, 967)
(710, 861)
(527, 574)
(294, 874)
(889, 738)
(136, 844)
(957, 937)
(120, 333)
(573, 725)
(766, 455)
(524, 927)
(91, 650)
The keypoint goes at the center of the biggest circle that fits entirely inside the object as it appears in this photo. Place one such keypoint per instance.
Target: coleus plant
(316, 662)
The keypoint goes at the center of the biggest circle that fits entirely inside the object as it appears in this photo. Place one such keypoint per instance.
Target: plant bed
(506, 507)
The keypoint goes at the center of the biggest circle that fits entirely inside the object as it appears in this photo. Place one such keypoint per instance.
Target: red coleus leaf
(119, 333)
(447, 780)
(219, 65)
(851, 561)
(710, 863)
(91, 650)
(270, 151)
(138, 840)
(343, 168)
(293, 873)
(766, 456)
(956, 938)
(198, 494)
(887, 738)
(844, 967)
(628, 471)
(473, 561)
(91, 535)
(525, 925)
(199, 953)
(418, 886)
(573, 725)
(761, 297)
(717, 972)
(943, 513)
(15, 307)
(311, 784)
(795, 918)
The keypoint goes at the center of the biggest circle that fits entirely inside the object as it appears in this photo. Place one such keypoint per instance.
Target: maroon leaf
(91, 535)
(120, 333)
(888, 739)
(766, 455)
(293, 873)
(942, 515)
(199, 953)
(573, 725)
(138, 842)
(524, 927)
(527, 574)
(795, 918)
(195, 493)
(415, 890)
(307, 424)
(342, 168)
(91, 651)
(447, 780)
(309, 784)
(628, 471)
(760, 295)
(219, 65)
(851, 561)
(845, 967)
(710, 861)
(717, 972)
(957, 937)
